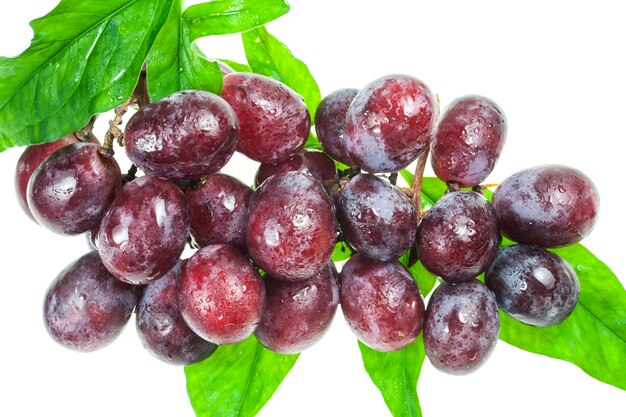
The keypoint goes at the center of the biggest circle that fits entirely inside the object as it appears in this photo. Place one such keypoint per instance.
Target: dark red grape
(291, 229)
(30, 160)
(275, 122)
(390, 123)
(533, 285)
(218, 210)
(314, 163)
(297, 314)
(376, 218)
(381, 303)
(145, 231)
(548, 205)
(468, 141)
(459, 237)
(330, 123)
(462, 327)
(161, 327)
(86, 307)
(221, 294)
(187, 135)
(72, 189)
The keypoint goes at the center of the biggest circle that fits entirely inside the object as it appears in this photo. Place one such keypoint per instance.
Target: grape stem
(416, 184)
(85, 133)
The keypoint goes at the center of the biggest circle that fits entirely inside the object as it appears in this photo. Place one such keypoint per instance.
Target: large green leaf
(237, 380)
(268, 56)
(176, 64)
(395, 374)
(85, 58)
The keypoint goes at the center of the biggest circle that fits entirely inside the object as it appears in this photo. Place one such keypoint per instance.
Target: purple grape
(376, 218)
(218, 210)
(161, 327)
(297, 314)
(145, 231)
(459, 237)
(30, 160)
(330, 123)
(187, 135)
(390, 123)
(275, 122)
(381, 303)
(468, 141)
(314, 163)
(86, 307)
(72, 189)
(291, 229)
(221, 294)
(462, 327)
(533, 285)
(547, 205)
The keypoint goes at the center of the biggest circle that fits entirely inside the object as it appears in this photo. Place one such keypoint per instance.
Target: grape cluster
(263, 256)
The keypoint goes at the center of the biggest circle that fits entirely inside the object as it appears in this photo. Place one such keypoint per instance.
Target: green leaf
(341, 252)
(237, 380)
(313, 142)
(175, 63)
(220, 17)
(594, 336)
(268, 56)
(85, 58)
(396, 374)
(431, 188)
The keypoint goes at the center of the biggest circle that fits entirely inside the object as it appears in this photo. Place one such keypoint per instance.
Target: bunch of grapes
(263, 256)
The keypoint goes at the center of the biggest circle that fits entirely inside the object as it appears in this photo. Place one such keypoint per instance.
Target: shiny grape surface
(275, 122)
(161, 327)
(533, 285)
(547, 205)
(468, 141)
(376, 218)
(390, 123)
(291, 229)
(86, 307)
(458, 238)
(30, 160)
(221, 297)
(218, 210)
(462, 326)
(145, 230)
(330, 123)
(298, 313)
(381, 303)
(187, 135)
(71, 191)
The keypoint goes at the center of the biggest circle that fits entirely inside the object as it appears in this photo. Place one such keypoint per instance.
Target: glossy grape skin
(547, 205)
(86, 307)
(297, 314)
(72, 189)
(291, 229)
(187, 135)
(30, 160)
(145, 230)
(275, 122)
(468, 141)
(316, 164)
(376, 218)
(221, 295)
(390, 123)
(533, 285)
(462, 327)
(161, 327)
(330, 123)
(381, 303)
(218, 210)
(458, 238)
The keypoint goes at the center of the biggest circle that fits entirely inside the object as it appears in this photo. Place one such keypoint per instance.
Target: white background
(557, 69)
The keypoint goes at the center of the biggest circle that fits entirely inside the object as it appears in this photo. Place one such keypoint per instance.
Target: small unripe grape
(533, 285)
(330, 123)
